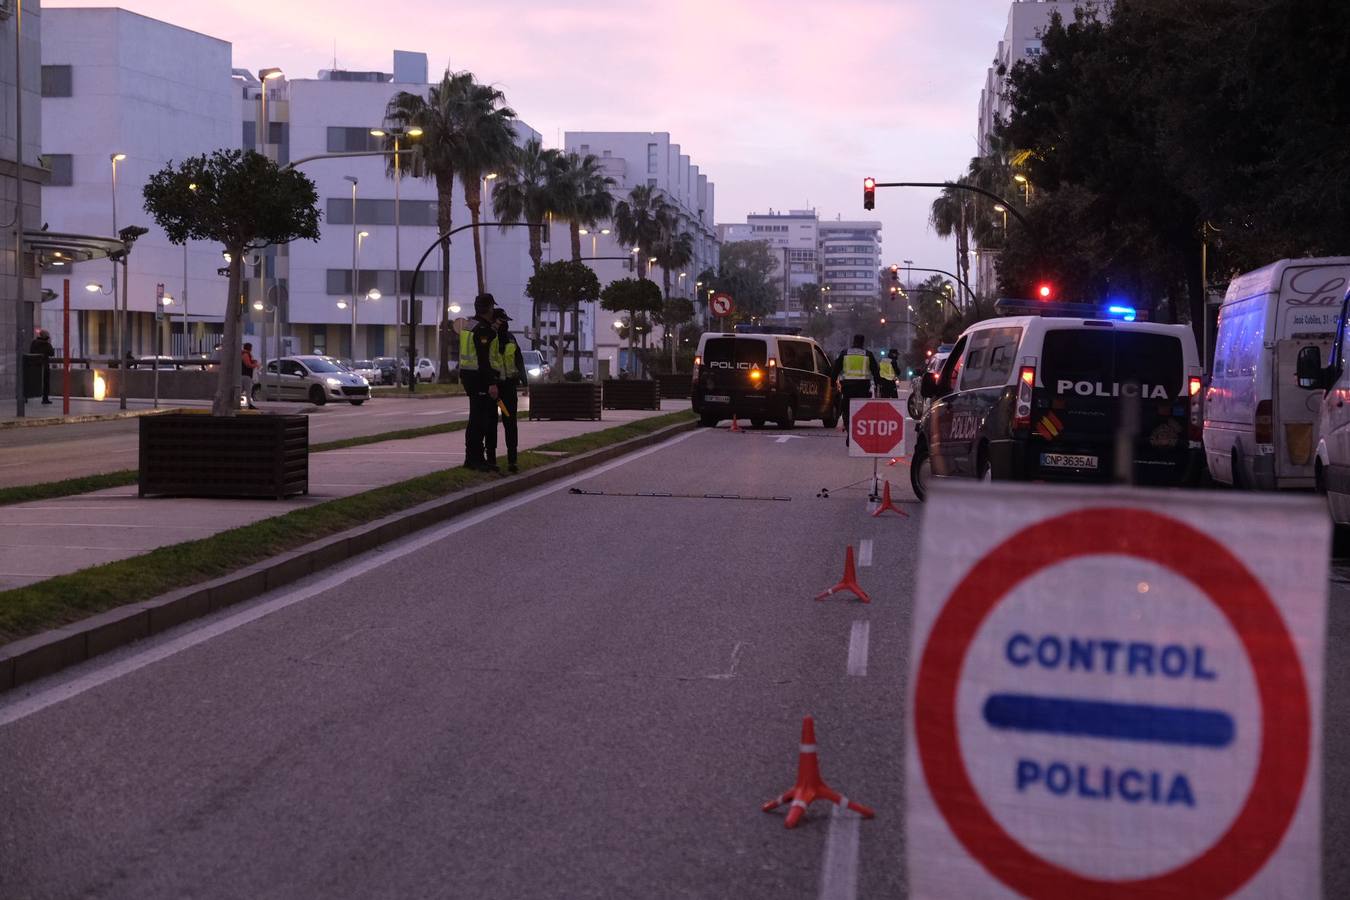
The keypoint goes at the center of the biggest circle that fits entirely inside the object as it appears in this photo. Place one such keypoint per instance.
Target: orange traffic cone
(894, 460)
(809, 786)
(849, 582)
(734, 425)
(887, 504)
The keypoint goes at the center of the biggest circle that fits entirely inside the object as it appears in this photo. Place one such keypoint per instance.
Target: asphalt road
(564, 695)
(55, 452)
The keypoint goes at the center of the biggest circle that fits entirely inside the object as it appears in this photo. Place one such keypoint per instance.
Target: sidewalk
(53, 537)
(87, 409)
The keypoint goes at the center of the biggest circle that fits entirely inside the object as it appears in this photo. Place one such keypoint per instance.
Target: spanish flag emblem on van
(1049, 427)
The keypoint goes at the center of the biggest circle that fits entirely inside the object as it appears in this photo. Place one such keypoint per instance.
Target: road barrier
(810, 786)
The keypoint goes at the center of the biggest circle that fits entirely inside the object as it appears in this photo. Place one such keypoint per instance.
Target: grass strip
(403, 435)
(597, 439)
(67, 598)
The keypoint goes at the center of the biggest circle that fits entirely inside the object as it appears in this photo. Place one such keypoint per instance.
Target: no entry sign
(876, 427)
(1116, 693)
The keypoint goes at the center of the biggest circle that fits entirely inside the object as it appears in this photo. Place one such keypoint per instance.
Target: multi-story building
(792, 237)
(850, 255)
(21, 179)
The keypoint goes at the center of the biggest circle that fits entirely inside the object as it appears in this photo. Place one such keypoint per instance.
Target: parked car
(313, 378)
(1260, 430)
(166, 363)
(426, 369)
(366, 369)
(762, 375)
(917, 404)
(536, 370)
(392, 370)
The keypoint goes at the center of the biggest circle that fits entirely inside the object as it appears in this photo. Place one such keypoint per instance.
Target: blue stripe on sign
(1119, 721)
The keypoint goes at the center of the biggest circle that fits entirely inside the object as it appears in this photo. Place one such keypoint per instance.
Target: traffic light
(869, 193)
(895, 274)
(1044, 291)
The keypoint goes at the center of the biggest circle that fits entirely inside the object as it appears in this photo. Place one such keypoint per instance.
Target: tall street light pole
(265, 75)
(119, 318)
(353, 179)
(487, 232)
(595, 310)
(398, 133)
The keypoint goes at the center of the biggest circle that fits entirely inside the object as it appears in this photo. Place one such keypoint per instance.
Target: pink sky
(783, 105)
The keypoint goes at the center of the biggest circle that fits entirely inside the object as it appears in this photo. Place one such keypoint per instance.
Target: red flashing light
(869, 193)
(1044, 291)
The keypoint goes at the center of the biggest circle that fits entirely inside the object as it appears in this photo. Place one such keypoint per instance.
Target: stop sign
(876, 427)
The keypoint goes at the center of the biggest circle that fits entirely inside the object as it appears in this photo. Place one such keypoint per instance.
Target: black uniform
(507, 393)
(482, 408)
(42, 346)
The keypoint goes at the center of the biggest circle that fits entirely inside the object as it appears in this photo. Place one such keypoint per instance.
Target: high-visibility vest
(887, 370)
(468, 356)
(855, 365)
(496, 358)
(510, 367)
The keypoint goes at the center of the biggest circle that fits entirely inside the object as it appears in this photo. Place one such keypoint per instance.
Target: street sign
(1116, 692)
(159, 302)
(721, 304)
(876, 427)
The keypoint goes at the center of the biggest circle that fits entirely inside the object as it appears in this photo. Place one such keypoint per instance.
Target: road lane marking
(381, 556)
(839, 868)
(865, 552)
(735, 661)
(789, 437)
(858, 639)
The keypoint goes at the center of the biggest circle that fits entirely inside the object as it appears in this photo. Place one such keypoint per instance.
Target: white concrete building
(850, 255)
(17, 320)
(118, 83)
(793, 238)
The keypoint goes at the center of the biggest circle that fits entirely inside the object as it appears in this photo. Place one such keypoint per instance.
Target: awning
(55, 251)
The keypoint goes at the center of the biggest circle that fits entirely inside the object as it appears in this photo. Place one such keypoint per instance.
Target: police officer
(512, 376)
(855, 371)
(888, 386)
(479, 378)
(42, 346)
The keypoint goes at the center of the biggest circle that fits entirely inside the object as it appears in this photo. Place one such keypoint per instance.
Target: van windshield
(732, 353)
(1110, 357)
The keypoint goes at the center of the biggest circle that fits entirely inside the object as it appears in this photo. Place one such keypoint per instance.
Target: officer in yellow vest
(855, 371)
(480, 379)
(888, 385)
(512, 371)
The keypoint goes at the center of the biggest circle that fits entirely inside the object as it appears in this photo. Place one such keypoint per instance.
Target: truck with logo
(1063, 392)
(1260, 430)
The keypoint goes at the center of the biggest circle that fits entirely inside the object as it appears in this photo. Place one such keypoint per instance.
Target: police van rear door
(727, 363)
(1088, 373)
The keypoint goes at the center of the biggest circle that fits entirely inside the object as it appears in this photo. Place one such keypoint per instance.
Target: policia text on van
(1042, 397)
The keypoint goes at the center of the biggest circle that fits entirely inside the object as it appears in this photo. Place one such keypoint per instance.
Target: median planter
(565, 400)
(675, 385)
(192, 455)
(632, 394)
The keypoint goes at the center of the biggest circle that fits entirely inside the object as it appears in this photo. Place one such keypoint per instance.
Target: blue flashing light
(1120, 311)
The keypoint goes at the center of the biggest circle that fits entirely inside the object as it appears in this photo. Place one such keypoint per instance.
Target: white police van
(762, 374)
(1041, 394)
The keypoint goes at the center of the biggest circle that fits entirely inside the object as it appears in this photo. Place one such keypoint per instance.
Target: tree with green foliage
(565, 284)
(809, 296)
(528, 190)
(674, 312)
(639, 220)
(242, 201)
(583, 199)
(746, 271)
(638, 297)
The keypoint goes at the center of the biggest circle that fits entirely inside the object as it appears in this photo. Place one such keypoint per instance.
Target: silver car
(313, 378)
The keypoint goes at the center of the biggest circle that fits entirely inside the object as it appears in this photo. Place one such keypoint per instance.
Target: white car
(426, 369)
(366, 369)
(313, 378)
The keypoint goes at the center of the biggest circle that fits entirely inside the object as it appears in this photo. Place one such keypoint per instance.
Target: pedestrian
(512, 377)
(480, 379)
(42, 346)
(247, 365)
(888, 385)
(855, 371)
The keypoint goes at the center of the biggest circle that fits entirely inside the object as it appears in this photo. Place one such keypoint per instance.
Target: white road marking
(858, 638)
(839, 868)
(26, 706)
(735, 661)
(865, 552)
(788, 437)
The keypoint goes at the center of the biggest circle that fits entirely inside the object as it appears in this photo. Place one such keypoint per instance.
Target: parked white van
(1331, 464)
(1260, 429)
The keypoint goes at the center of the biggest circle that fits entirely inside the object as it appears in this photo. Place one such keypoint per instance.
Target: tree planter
(191, 455)
(632, 394)
(565, 400)
(675, 385)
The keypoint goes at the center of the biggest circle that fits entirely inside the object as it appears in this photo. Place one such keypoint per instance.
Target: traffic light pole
(869, 193)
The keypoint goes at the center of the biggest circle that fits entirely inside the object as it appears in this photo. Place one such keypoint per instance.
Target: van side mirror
(928, 387)
(1308, 369)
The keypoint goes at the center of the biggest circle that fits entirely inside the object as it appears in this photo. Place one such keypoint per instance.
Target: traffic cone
(809, 786)
(894, 460)
(734, 425)
(887, 504)
(849, 582)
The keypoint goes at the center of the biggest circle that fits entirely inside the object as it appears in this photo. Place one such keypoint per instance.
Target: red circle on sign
(721, 304)
(1286, 720)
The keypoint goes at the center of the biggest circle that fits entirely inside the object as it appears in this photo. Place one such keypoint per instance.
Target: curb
(31, 658)
(41, 421)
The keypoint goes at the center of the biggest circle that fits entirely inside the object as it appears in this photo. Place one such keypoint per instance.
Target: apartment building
(850, 255)
(19, 196)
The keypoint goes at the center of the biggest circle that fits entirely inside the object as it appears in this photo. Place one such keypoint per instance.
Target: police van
(762, 374)
(1043, 397)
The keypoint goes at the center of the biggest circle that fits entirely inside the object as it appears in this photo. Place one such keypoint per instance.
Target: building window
(339, 283)
(651, 182)
(651, 157)
(56, 81)
(351, 140)
(318, 338)
(380, 212)
(62, 166)
(585, 148)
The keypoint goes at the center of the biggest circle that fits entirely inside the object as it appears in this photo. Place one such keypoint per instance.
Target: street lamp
(355, 250)
(454, 309)
(1000, 208)
(117, 322)
(398, 133)
(595, 308)
(1026, 188)
(487, 232)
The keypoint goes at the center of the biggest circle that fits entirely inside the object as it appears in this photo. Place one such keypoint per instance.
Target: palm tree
(485, 141)
(673, 250)
(527, 189)
(584, 201)
(638, 221)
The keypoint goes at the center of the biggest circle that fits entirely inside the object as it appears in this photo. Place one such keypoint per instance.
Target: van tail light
(1026, 383)
(1264, 423)
(698, 360)
(773, 362)
(1194, 388)
(698, 369)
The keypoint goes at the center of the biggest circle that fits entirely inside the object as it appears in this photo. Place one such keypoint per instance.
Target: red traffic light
(1044, 291)
(869, 193)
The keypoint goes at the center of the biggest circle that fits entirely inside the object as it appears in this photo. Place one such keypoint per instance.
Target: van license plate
(716, 398)
(1068, 461)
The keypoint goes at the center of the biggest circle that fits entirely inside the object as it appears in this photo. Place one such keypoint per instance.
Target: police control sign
(1116, 692)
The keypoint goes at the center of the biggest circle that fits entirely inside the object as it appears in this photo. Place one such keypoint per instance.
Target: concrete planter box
(190, 455)
(565, 400)
(632, 394)
(675, 385)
